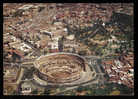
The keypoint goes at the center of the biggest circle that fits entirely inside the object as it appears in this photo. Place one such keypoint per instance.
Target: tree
(80, 88)
(124, 89)
(15, 92)
(34, 92)
(47, 91)
(116, 92)
(100, 91)
(82, 53)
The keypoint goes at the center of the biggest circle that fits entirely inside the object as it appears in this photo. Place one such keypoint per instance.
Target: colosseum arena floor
(62, 69)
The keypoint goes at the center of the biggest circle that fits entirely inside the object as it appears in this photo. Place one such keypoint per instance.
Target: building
(10, 74)
(26, 88)
(54, 45)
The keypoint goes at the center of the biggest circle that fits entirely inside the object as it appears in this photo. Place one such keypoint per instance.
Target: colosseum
(62, 68)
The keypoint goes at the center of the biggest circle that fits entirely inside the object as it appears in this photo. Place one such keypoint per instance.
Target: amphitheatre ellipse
(62, 68)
